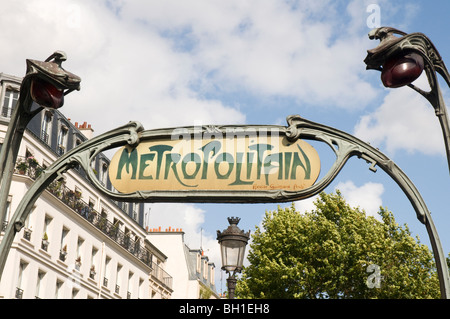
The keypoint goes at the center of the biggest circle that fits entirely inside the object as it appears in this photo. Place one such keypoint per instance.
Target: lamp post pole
(401, 58)
(232, 246)
(43, 86)
(81, 155)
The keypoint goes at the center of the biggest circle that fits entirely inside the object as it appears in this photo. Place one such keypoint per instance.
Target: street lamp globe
(402, 69)
(232, 246)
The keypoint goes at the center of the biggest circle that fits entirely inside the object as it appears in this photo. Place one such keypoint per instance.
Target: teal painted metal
(83, 155)
(395, 42)
(342, 144)
(49, 71)
(392, 45)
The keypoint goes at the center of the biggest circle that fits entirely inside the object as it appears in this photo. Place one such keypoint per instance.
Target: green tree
(336, 251)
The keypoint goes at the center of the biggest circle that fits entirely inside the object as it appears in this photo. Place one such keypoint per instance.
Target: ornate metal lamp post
(232, 247)
(402, 59)
(43, 86)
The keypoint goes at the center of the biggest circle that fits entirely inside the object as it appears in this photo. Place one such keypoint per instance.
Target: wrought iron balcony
(161, 275)
(6, 111)
(45, 136)
(73, 200)
(19, 293)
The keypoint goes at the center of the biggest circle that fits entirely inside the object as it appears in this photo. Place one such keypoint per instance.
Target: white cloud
(306, 205)
(178, 215)
(128, 72)
(190, 219)
(367, 196)
(405, 121)
(162, 63)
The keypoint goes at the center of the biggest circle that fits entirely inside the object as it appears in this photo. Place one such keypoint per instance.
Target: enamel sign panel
(242, 162)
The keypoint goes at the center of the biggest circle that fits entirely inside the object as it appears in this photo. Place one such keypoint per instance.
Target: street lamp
(401, 60)
(232, 247)
(44, 86)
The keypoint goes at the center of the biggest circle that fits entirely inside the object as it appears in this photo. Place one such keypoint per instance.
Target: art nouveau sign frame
(133, 134)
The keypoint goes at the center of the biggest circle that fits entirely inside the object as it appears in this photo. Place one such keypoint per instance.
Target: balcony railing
(44, 136)
(19, 293)
(72, 200)
(161, 275)
(6, 111)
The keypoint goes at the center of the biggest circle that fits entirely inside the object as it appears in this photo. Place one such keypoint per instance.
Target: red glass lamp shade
(402, 70)
(46, 94)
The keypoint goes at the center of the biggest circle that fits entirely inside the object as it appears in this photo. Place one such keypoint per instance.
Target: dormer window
(103, 172)
(10, 100)
(46, 126)
(62, 140)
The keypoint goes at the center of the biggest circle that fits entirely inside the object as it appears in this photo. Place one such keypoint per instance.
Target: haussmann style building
(76, 243)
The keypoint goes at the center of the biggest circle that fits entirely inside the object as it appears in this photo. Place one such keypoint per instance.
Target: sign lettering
(241, 163)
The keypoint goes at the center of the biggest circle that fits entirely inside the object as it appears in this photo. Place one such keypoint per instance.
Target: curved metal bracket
(82, 154)
(50, 71)
(390, 45)
(343, 145)
(348, 146)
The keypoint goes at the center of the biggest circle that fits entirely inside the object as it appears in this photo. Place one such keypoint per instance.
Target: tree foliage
(336, 251)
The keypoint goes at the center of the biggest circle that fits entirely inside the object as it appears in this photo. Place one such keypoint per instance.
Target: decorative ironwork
(19, 293)
(54, 78)
(392, 46)
(161, 275)
(342, 144)
(73, 200)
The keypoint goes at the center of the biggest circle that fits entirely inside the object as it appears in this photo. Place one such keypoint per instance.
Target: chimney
(86, 129)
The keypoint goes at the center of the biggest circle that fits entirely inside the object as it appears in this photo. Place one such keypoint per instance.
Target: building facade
(192, 273)
(76, 243)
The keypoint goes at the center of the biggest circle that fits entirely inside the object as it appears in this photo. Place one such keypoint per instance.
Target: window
(78, 141)
(103, 173)
(135, 211)
(75, 292)
(91, 203)
(93, 263)
(45, 242)
(27, 224)
(118, 276)
(107, 271)
(47, 221)
(63, 251)
(130, 286)
(11, 97)
(58, 288)
(80, 243)
(21, 278)
(205, 269)
(62, 140)
(212, 277)
(104, 213)
(39, 283)
(46, 127)
(64, 233)
(94, 254)
(7, 214)
(199, 261)
(141, 288)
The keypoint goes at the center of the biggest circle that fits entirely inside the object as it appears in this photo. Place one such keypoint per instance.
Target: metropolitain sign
(254, 159)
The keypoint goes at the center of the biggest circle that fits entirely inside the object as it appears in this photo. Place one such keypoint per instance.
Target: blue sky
(170, 63)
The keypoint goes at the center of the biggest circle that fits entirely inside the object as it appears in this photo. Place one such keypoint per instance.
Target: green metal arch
(343, 145)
